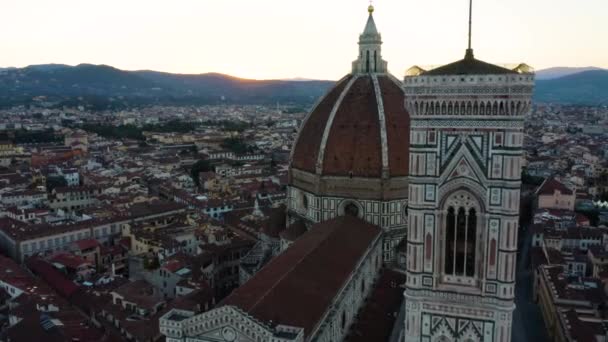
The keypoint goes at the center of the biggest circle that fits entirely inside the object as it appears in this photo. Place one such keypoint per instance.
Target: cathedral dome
(359, 129)
(351, 155)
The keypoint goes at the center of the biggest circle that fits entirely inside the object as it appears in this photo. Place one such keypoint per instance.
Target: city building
(73, 198)
(552, 194)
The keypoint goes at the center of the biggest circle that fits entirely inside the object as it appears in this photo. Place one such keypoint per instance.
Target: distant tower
(466, 138)
(257, 212)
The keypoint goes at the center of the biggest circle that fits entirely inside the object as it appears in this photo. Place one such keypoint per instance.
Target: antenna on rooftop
(469, 53)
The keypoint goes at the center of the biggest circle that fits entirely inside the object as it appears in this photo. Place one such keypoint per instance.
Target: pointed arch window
(449, 241)
(460, 242)
(471, 243)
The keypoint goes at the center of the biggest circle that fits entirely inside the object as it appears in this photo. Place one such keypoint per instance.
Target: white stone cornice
(382, 120)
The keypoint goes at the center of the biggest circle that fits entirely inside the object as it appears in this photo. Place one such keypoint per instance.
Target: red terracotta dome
(359, 129)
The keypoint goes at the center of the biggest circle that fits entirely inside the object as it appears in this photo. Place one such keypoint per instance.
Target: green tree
(237, 145)
(151, 263)
(531, 180)
(197, 168)
(53, 182)
(273, 162)
(23, 136)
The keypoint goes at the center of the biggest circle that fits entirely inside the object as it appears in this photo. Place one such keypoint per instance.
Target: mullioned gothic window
(460, 241)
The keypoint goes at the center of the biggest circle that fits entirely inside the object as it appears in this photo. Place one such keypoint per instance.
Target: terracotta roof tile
(295, 278)
(354, 146)
(551, 185)
(87, 244)
(354, 139)
(306, 148)
(469, 66)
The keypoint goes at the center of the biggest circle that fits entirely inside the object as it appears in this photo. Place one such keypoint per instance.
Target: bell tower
(466, 140)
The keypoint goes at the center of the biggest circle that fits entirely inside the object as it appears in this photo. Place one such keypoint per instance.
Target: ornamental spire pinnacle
(370, 27)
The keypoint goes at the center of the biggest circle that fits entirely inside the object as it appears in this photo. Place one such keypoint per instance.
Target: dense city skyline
(278, 39)
(465, 200)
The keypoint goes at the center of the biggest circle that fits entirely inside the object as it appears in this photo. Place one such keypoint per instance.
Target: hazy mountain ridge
(558, 72)
(61, 83)
(230, 87)
(107, 86)
(583, 88)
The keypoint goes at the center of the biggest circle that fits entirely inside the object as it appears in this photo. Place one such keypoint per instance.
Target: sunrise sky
(268, 39)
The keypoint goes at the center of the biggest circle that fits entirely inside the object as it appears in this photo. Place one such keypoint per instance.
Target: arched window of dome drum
(367, 62)
(343, 324)
(351, 210)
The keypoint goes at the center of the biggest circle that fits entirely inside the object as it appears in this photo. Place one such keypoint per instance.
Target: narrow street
(397, 333)
(528, 325)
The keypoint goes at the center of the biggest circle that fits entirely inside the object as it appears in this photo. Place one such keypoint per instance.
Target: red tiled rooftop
(141, 293)
(308, 275)
(52, 276)
(11, 273)
(69, 260)
(87, 244)
(551, 185)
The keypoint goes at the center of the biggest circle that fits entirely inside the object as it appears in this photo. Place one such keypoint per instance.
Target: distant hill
(299, 79)
(48, 67)
(237, 89)
(557, 72)
(104, 87)
(584, 88)
(109, 87)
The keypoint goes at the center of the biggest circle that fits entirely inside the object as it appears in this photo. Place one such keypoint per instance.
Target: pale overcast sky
(297, 38)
